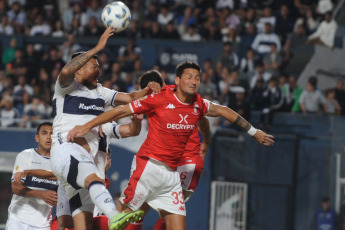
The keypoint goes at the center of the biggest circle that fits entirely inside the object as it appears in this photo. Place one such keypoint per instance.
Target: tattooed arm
(67, 73)
(233, 117)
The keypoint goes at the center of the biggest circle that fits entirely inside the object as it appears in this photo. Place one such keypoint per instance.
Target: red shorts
(190, 169)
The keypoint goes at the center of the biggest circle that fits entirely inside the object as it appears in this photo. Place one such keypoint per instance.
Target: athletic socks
(160, 225)
(135, 226)
(101, 197)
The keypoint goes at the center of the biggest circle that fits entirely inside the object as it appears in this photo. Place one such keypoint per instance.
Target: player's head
(151, 75)
(43, 135)
(188, 77)
(88, 74)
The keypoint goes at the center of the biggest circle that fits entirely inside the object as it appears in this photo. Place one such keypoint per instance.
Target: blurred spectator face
(250, 29)
(19, 54)
(116, 68)
(204, 77)
(75, 23)
(21, 80)
(77, 8)
(210, 12)
(273, 48)
(284, 10)
(267, 12)
(282, 80)
(107, 84)
(250, 14)
(58, 25)
(25, 98)
(30, 48)
(292, 81)
(170, 27)
(259, 69)
(4, 20)
(103, 58)
(227, 48)
(340, 84)
(225, 73)
(191, 30)
(93, 22)
(325, 205)
(188, 12)
(300, 29)
(273, 83)
(155, 27)
(239, 96)
(331, 94)
(207, 64)
(94, 4)
(53, 53)
(137, 65)
(164, 11)
(8, 102)
(268, 28)
(328, 16)
(39, 19)
(152, 8)
(13, 43)
(310, 87)
(250, 54)
(16, 7)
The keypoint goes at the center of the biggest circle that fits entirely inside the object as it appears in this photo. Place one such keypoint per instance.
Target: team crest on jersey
(196, 107)
(17, 168)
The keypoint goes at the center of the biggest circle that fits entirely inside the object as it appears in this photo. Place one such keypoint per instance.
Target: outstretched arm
(204, 128)
(34, 172)
(67, 73)
(125, 98)
(113, 114)
(133, 128)
(233, 117)
(50, 197)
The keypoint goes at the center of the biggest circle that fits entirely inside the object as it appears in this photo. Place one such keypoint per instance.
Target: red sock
(160, 225)
(135, 226)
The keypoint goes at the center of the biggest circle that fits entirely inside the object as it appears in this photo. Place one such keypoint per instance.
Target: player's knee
(92, 178)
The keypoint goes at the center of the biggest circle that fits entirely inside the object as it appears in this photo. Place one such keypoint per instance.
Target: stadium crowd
(249, 74)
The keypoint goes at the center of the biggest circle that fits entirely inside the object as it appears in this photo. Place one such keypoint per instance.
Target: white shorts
(154, 182)
(13, 224)
(71, 164)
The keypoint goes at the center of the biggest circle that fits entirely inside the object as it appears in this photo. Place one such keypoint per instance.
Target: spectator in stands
(21, 88)
(5, 27)
(325, 217)
(225, 3)
(69, 47)
(138, 13)
(248, 37)
(192, 35)
(291, 94)
(76, 28)
(164, 16)
(128, 54)
(117, 83)
(232, 21)
(311, 98)
(186, 20)
(3, 8)
(262, 41)
(260, 74)
(340, 95)
(272, 61)
(94, 10)
(207, 86)
(51, 11)
(272, 101)
(212, 33)
(227, 58)
(239, 103)
(247, 65)
(58, 30)
(17, 17)
(53, 61)
(324, 6)
(3, 83)
(154, 31)
(298, 37)
(93, 28)
(8, 113)
(333, 106)
(137, 70)
(35, 111)
(9, 53)
(325, 33)
(267, 18)
(249, 18)
(151, 16)
(40, 28)
(170, 32)
(32, 58)
(231, 36)
(106, 65)
(17, 67)
(284, 24)
(74, 13)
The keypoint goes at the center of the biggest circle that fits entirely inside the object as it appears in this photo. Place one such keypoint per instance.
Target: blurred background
(279, 64)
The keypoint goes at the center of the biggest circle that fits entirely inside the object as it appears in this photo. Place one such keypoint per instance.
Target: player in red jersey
(173, 114)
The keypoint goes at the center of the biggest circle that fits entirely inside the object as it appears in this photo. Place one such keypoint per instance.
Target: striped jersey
(31, 210)
(76, 105)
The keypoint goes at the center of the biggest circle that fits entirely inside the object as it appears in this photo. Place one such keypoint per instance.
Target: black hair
(46, 123)
(325, 199)
(76, 54)
(186, 65)
(313, 81)
(152, 75)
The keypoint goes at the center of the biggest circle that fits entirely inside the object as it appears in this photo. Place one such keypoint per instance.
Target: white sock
(101, 197)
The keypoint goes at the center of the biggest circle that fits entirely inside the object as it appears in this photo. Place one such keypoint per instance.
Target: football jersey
(76, 105)
(171, 122)
(110, 130)
(30, 210)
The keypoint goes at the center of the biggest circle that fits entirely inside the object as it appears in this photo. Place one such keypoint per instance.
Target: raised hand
(104, 38)
(154, 87)
(264, 138)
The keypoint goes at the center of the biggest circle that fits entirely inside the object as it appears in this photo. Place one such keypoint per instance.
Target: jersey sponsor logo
(83, 106)
(183, 118)
(35, 162)
(170, 106)
(137, 103)
(35, 182)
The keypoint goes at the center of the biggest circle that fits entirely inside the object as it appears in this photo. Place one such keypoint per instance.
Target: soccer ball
(116, 14)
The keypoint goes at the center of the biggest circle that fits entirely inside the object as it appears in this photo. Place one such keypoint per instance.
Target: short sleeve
(109, 95)
(21, 164)
(144, 105)
(111, 130)
(61, 91)
(205, 107)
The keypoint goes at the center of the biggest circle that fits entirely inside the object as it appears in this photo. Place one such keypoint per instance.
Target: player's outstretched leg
(122, 220)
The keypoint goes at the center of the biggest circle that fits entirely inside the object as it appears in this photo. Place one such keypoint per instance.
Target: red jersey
(171, 123)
